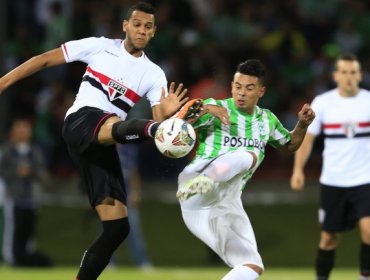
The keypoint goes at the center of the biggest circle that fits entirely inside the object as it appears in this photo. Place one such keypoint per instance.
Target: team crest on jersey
(116, 90)
(349, 129)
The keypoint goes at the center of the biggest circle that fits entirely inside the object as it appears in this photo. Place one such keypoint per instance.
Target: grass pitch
(206, 273)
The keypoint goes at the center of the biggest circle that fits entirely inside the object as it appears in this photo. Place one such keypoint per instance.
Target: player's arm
(48, 59)
(305, 117)
(300, 158)
(216, 111)
(170, 103)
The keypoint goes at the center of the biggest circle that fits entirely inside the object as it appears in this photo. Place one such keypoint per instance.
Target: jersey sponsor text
(244, 142)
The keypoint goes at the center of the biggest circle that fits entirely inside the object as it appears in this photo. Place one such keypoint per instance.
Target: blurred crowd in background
(198, 43)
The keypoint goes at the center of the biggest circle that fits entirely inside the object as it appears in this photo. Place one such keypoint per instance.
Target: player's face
(246, 91)
(348, 76)
(139, 30)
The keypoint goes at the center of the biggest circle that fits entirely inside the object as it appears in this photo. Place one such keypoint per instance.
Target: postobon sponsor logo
(244, 142)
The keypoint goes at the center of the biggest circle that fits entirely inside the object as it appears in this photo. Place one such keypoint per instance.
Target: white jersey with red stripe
(114, 80)
(345, 124)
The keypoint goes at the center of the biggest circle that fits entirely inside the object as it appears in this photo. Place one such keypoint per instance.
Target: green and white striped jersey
(250, 132)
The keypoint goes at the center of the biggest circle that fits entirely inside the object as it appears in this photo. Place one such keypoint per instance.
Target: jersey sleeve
(316, 125)
(159, 84)
(279, 135)
(206, 119)
(81, 50)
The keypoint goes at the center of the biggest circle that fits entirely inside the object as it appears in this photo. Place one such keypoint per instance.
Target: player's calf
(97, 257)
(133, 131)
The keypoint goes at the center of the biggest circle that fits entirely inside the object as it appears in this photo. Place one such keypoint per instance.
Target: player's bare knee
(329, 241)
(256, 268)
(105, 131)
(254, 158)
(364, 225)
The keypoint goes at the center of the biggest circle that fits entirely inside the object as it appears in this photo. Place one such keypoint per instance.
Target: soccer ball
(175, 138)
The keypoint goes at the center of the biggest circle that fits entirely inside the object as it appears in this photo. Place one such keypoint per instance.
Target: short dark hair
(140, 6)
(345, 57)
(253, 67)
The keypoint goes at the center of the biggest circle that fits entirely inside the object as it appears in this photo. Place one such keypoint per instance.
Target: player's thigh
(233, 162)
(199, 222)
(111, 210)
(238, 239)
(105, 131)
(228, 232)
(364, 225)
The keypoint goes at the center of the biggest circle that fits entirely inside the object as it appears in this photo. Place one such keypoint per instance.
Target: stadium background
(198, 43)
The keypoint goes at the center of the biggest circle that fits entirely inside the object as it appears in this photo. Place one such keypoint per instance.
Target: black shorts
(98, 164)
(341, 208)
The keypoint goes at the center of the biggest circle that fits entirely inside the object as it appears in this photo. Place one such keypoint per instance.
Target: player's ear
(154, 30)
(124, 24)
(262, 91)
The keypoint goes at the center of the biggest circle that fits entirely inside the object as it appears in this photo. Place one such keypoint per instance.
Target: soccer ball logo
(175, 138)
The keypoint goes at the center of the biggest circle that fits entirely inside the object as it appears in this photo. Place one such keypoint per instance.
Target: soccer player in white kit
(343, 117)
(118, 74)
(210, 187)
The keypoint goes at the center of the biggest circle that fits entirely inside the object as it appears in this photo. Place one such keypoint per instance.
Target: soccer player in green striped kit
(232, 135)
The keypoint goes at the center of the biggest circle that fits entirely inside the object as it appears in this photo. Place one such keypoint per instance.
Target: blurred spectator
(57, 27)
(347, 38)
(23, 171)
(52, 103)
(213, 85)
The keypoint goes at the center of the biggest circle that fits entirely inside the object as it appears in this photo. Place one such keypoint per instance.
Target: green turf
(287, 236)
(166, 274)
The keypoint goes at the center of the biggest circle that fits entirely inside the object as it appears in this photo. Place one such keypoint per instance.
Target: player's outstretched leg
(133, 131)
(219, 170)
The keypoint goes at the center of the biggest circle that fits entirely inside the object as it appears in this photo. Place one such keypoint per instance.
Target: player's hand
(297, 181)
(218, 112)
(306, 115)
(174, 100)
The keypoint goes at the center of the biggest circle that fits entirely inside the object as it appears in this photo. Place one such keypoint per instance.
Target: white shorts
(219, 219)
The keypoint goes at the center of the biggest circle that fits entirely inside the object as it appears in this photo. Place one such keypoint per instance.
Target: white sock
(241, 272)
(363, 277)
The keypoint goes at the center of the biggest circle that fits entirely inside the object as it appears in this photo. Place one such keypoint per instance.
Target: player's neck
(132, 50)
(348, 93)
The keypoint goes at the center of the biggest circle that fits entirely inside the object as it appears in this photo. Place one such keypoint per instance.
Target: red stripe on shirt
(338, 125)
(65, 50)
(130, 94)
(364, 124)
(332, 125)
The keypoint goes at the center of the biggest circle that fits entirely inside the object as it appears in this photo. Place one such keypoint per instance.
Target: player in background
(118, 74)
(24, 172)
(343, 116)
(210, 187)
